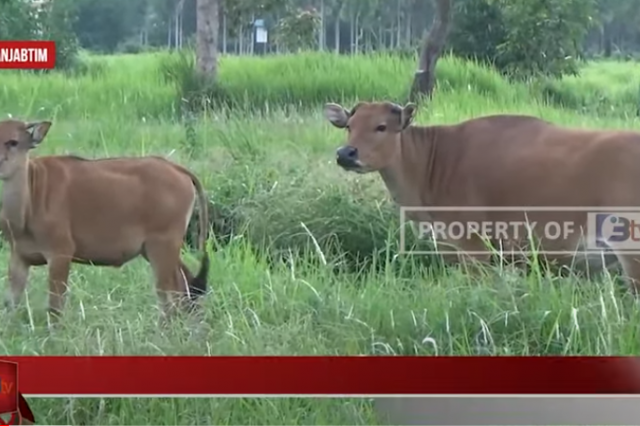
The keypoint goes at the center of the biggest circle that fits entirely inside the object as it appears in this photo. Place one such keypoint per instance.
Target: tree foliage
(102, 25)
(16, 20)
(544, 38)
(520, 37)
(297, 29)
(21, 20)
(524, 37)
(240, 13)
(56, 23)
(477, 30)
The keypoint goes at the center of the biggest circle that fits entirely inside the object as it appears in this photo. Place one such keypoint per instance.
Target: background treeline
(547, 36)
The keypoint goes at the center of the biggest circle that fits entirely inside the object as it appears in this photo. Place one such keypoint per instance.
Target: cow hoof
(9, 305)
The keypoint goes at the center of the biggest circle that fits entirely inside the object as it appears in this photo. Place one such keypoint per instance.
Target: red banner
(262, 375)
(27, 54)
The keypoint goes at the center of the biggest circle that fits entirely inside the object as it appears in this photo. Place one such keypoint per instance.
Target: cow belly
(108, 249)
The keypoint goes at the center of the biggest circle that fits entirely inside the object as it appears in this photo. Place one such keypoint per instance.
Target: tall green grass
(305, 260)
(151, 85)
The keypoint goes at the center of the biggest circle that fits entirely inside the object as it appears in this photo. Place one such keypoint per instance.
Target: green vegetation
(277, 193)
(522, 37)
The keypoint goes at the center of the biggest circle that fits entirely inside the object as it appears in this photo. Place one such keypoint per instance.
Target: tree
(239, 13)
(56, 19)
(207, 39)
(52, 20)
(477, 29)
(297, 30)
(617, 17)
(544, 38)
(523, 38)
(424, 79)
(102, 25)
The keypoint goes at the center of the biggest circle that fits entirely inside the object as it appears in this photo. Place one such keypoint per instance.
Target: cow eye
(11, 143)
(381, 128)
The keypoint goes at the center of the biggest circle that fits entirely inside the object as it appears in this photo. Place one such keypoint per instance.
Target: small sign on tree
(261, 31)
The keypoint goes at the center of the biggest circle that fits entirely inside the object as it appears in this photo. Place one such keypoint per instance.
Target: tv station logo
(14, 409)
(27, 54)
(619, 229)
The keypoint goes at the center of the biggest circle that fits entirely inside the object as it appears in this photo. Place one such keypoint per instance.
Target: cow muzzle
(347, 158)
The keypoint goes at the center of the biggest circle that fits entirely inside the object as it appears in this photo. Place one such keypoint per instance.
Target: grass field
(268, 164)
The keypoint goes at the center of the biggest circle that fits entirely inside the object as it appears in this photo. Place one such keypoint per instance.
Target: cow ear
(337, 115)
(38, 130)
(408, 112)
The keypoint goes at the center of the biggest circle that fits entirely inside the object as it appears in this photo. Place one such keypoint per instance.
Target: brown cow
(499, 161)
(58, 210)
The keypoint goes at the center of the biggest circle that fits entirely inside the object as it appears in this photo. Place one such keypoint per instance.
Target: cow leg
(475, 264)
(631, 267)
(59, 268)
(18, 277)
(163, 254)
(184, 277)
(163, 297)
(472, 254)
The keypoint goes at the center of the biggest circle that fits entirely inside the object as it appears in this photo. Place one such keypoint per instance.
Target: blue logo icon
(615, 228)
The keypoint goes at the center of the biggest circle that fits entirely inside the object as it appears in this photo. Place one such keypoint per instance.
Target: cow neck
(16, 197)
(404, 177)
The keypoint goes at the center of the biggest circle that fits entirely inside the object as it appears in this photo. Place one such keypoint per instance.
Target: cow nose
(347, 156)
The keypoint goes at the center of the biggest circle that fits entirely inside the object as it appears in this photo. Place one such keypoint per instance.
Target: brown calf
(58, 210)
(499, 161)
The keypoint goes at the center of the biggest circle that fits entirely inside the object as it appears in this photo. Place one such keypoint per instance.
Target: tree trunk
(336, 23)
(336, 32)
(367, 40)
(606, 35)
(224, 33)
(357, 33)
(399, 27)
(176, 12)
(352, 33)
(424, 79)
(207, 39)
(392, 36)
(321, 35)
(177, 21)
(180, 32)
(252, 35)
(408, 30)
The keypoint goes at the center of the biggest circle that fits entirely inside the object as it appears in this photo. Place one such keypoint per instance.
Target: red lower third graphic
(14, 409)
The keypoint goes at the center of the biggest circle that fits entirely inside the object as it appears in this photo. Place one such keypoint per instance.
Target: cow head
(16, 139)
(373, 133)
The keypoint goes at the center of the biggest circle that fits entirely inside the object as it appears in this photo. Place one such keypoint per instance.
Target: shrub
(523, 38)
